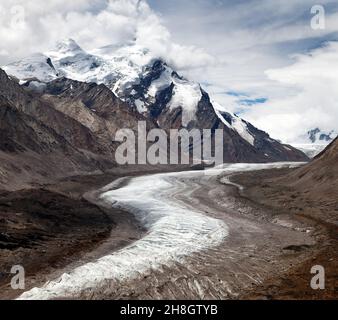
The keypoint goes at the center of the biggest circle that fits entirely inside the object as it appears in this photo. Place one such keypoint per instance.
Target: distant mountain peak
(318, 136)
(67, 46)
(315, 141)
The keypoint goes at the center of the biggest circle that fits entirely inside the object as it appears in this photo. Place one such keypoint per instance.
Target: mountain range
(315, 141)
(60, 109)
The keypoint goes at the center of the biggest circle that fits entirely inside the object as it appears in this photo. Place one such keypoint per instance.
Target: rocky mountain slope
(320, 177)
(147, 85)
(310, 189)
(47, 135)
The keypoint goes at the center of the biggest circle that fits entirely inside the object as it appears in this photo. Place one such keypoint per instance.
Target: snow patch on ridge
(242, 129)
(237, 124)
(162, 83)
(186, 95)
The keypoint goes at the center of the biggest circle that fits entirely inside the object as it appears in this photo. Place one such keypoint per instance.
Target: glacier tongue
(174, 233)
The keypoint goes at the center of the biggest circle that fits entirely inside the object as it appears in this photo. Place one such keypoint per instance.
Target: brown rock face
(46, 136)
(235, 148)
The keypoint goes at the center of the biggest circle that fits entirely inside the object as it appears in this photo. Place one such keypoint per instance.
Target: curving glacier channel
(175, 230)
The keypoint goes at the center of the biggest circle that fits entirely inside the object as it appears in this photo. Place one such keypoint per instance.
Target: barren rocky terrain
(259, 243)
(268, 253)
(288, 205)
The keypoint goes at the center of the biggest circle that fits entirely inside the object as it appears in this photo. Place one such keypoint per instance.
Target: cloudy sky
(259, 58)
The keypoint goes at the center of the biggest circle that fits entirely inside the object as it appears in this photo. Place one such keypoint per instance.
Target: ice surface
(174, 232)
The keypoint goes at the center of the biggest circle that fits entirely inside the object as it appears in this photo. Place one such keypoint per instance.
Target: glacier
(175, 231)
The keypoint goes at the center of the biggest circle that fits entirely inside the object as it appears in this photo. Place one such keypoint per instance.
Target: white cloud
(250, 37)
(226, 45)
(312, 98)
(34, 26)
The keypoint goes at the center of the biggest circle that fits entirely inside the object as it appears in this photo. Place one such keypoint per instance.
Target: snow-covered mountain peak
(66, 47)
(315, 141)
(143, 80)
(322, 137)
(136, 54)
(37, 66)
(132, 72)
